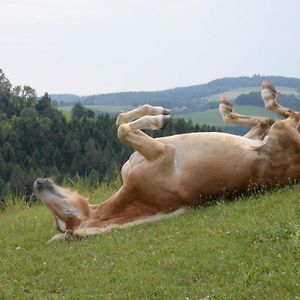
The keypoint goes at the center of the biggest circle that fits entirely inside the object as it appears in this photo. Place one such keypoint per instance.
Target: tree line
(37, 140)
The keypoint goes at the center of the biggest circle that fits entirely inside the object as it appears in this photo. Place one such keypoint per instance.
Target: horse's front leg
(144, 110)
(150, 148)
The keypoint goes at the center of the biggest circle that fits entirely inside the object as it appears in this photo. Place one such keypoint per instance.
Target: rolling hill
(191, 96)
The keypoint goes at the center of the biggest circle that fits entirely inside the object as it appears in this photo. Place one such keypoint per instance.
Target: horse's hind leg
(231, 117)
(145, 110)
(260, 125)
(269, 96)
(283, 147)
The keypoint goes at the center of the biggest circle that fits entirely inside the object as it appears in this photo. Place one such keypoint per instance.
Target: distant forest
(192, 97)
(37, 140)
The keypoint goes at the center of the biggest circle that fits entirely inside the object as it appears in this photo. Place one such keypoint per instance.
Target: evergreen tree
(17, 181)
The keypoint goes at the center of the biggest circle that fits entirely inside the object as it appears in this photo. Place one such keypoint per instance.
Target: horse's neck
(108, 208)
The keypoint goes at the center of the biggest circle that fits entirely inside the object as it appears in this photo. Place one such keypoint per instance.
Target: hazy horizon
(94, 47)
(174, 87)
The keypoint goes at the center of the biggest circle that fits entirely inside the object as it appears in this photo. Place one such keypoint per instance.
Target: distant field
(104, 108)
(213, 117)
(232, 94)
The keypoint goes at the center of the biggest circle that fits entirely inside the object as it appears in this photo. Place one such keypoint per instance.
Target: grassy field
(242, 249)
(213, 117)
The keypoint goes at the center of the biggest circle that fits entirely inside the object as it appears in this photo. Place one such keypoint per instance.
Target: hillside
(245, 249)
(192, 96)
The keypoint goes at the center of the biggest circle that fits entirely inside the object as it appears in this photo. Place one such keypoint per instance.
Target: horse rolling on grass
(165, 176)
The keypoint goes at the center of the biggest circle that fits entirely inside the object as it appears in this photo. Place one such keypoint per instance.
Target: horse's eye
(69, 212)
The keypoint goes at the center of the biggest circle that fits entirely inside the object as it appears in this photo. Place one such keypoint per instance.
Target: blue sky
(93, 46)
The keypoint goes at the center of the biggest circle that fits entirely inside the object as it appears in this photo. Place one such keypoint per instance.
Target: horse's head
(69, 208)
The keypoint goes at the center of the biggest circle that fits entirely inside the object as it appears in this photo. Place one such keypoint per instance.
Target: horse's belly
(205, 163)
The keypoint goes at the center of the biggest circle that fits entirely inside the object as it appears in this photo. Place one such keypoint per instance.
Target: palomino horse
(166, 175)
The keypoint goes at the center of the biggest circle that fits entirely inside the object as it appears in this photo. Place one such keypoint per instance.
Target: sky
(94, 46)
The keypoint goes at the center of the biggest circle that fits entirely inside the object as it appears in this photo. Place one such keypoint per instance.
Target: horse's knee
(123, 131)
(154, 110)
(120, 119)
(147, 108)
(229, 117)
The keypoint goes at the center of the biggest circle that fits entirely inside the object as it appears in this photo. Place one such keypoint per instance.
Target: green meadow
(247, 248)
